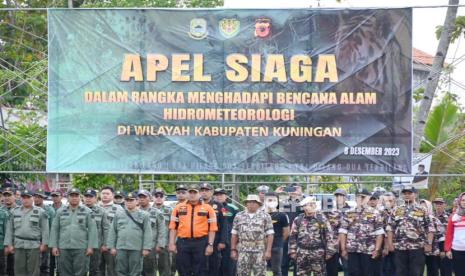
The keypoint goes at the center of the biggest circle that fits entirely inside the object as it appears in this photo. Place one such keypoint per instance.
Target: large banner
(308, 91)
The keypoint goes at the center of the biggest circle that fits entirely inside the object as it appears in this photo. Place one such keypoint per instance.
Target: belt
(194, 239)
(26, 239)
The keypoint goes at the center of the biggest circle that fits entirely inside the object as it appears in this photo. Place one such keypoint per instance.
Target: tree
(433, 77)
(443, 125)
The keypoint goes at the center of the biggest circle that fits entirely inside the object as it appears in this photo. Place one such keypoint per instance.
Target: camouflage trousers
(309, 261)
(249, 262)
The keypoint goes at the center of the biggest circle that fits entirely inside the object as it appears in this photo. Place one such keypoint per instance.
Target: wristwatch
(210, 244)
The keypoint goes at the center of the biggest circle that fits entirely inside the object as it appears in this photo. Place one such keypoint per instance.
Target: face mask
(271, 204)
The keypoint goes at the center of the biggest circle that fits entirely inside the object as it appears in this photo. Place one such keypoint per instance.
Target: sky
(425, 21)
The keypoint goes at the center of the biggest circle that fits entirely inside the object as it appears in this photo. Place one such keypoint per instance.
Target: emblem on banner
(229, 27)
(198, 28)
(263, 27)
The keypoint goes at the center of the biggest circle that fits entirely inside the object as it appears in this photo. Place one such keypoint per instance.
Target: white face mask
(271, 204)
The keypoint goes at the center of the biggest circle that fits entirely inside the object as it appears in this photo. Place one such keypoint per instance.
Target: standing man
(311, 241)
(228, 266)
(39, 196)
(361, 237)
(107, 261)
(213, 261)
(281, 231)
(159, 232)
(119, 198)
(10, 204)
(252, 239)
(291, 206)
(334, 217)
(387, 263)
(56, 199)
(193, 224)
(445, 264)
(130, 238)
(73, 236)
(181, 193)
(411, 232)
(27, 235)
(164, 257)
(100, 218)
(3, 222)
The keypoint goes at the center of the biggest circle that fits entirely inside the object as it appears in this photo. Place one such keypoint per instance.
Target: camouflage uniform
(311, 239)
(410, 225)
(251, 231)
(334, 218)
(438, 227)
(362, 227)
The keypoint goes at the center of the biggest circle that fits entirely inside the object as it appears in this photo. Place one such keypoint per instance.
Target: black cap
(181, 187)
(271, 194)
(158, 191)
(40, 192)
(119, 194)
(8, 190)
(56, 192)
(26, 193)
(74, 191)
(363, 192)
(408, 189)
(206, 185)
(374, 196)
(90, 192)
(132, 195)
(219, 191)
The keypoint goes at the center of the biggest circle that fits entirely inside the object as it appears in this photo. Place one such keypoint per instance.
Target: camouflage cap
(143, 193)
(56, 192)
(439, 200)
(255, 198)
(206, 185)
(193, 187)
(340, 192)
(159, 191)
(8, 190)
(74, 191)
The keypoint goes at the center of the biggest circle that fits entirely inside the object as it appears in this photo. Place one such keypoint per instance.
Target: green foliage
(458, 31)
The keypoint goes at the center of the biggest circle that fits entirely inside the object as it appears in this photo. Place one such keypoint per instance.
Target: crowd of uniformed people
(110, 232)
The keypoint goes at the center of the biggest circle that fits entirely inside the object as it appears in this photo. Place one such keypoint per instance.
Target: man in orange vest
(192, 233)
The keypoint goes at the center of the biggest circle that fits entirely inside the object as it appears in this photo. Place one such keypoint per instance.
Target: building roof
(423, 58)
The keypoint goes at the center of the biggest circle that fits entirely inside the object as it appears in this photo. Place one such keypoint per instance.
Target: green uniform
(107, 261)
(100, 217)
(3, 221)
(45, 256)
(160, 233)
(26, 230)
(129, 238)
(73, 231)
(165, 259)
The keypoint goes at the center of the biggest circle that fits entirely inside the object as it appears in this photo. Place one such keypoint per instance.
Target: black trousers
(362, 264)
(458, 262)
(388, 267)
(445, 266)
(432, 265)
(409, 262)
(213, 262)
(191, 259)
(228, 265)
(332, 265)
(10, 265)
